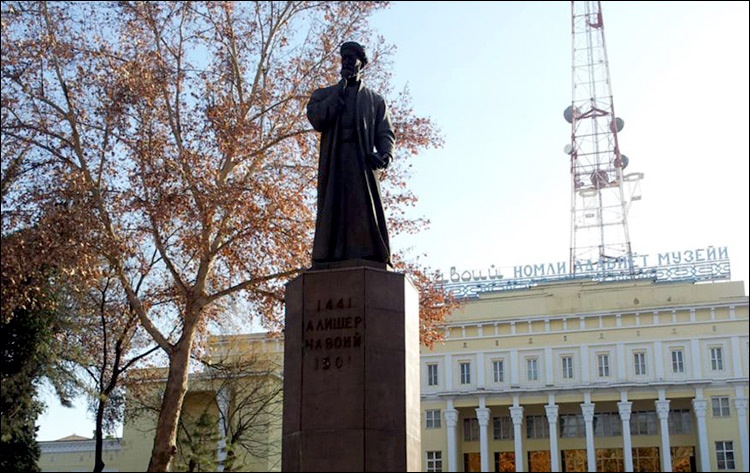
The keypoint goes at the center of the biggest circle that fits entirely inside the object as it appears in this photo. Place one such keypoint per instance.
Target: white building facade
(585, 376)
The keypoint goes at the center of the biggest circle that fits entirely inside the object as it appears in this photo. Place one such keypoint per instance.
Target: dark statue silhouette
(356, 145)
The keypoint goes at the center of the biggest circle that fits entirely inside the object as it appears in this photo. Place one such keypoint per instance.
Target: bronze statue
(356, 144)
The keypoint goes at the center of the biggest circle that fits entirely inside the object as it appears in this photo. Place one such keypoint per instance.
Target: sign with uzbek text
(702, 264)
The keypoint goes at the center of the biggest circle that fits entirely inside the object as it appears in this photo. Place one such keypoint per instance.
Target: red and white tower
(601, 191)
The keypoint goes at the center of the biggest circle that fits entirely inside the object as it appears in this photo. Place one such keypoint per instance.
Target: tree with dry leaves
(112, 344)
(175, 132)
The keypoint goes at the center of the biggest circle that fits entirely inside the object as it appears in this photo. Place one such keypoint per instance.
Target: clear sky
(495, 77)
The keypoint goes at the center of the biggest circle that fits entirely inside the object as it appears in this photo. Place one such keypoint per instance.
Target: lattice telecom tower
(600, 191)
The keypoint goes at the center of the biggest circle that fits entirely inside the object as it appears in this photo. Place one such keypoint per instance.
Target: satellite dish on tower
(599, 178)
(617, 125)
(571, 112)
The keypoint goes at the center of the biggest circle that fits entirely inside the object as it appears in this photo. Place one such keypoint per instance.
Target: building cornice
(72, 446)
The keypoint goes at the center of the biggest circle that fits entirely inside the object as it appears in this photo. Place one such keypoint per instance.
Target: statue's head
(353, 59)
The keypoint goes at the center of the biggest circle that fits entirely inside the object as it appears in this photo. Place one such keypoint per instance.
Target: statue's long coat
(350, 221)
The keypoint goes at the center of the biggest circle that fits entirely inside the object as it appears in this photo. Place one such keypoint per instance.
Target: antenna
(601, 190)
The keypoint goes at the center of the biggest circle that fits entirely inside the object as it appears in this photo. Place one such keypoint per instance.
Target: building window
(646, 459)
(609, 459)
(572, 425)
(432, 417)
(471, 430)
(435, 461)
(602, 362)
(538, 460)
(678, 361)
(643, 423)
(717, 359)
(574, 460)
(680, 422)
(725, 455)
(607, 424)
(639, 362)
(537, 427)
(505, 462)
(567, 367)
(532, 369)
(682, 458)
(465, 373)
(432, 375)
(720, 406)
(498, 372)
(502, 428)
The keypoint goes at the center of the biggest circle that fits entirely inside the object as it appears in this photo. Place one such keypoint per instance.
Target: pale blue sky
(495, 77)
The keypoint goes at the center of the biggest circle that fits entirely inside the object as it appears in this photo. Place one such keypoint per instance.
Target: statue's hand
(378, 160)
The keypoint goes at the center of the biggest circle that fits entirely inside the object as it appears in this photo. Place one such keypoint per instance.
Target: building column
(740, 405)
(516, 414)
(662, 410)
(587, 408)
(451, 420)
(699, 408)
(625, 408)
(554, 453)
(222, 396)
(483, 416)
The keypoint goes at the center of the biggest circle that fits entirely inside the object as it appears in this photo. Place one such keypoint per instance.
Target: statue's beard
(349, 73)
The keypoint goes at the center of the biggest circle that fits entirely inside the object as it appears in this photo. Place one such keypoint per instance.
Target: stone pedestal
(351, 372)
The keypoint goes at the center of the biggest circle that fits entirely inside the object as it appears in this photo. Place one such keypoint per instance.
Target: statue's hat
(358, 49)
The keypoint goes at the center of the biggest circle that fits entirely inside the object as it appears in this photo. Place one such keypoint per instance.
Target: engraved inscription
(333, 304)
(327, 362)
(333, 323)
(331, 330)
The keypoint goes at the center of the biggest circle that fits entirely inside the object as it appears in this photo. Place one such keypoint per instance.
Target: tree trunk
(98, 457)
(174, 392)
